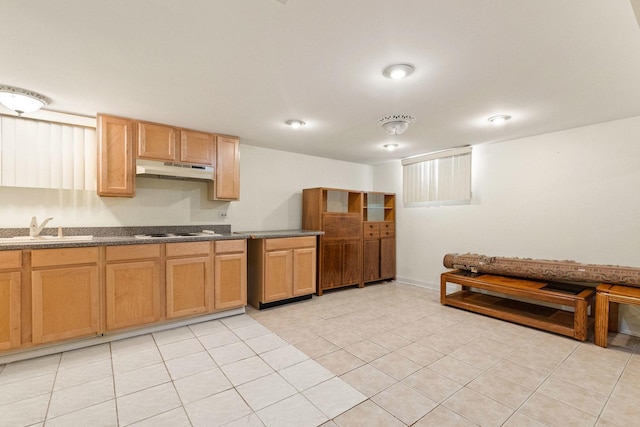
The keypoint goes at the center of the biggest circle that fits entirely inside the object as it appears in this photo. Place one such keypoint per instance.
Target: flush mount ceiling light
(295, 123)
(21, 100)
(398, 71)
(499, 119)
(391, 147)
(396, 124)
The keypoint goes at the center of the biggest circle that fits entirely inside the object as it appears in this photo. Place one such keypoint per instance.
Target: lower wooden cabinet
(10, 282)
(189, 279)
(230, 270)
(65, 294)
(281, 268)
(379, 251)
(341, 263)
(132, 285)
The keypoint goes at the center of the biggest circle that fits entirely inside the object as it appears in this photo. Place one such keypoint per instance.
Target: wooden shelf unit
(507, 307)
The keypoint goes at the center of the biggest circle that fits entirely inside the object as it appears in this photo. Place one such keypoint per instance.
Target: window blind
(437, 178)
(45, 154)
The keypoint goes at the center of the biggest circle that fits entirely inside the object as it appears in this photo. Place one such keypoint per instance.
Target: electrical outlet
(222, 215)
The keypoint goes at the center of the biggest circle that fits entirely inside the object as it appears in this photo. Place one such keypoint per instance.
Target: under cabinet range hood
(170, 170)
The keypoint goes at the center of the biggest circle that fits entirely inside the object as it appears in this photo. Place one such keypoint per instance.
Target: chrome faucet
(34, 228)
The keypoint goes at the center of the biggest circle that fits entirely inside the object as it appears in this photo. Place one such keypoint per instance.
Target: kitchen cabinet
(157, 142)
(132, 286)
(10, 283)
(189, 279)
(197, 147)
(65, 293)
(281, 269)
(227, 183)
(378, 233)
(230, 274)
(338, 213)
(116, 168)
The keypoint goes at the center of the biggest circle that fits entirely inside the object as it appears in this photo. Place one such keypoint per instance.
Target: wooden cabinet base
(573, 324)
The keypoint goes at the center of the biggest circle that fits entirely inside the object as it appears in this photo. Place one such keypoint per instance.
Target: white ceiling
(243, 67)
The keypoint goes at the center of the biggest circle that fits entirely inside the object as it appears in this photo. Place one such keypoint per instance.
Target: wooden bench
(608, 298)
(574, 323)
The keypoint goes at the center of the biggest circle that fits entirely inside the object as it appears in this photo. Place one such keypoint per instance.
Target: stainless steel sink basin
(21, 240)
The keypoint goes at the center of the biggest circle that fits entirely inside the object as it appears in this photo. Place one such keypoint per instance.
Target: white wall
(570, 195)
(270, 197)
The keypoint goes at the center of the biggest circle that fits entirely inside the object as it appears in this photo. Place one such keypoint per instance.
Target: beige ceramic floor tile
(581, 398)
(123, 362)
(207, 328)
(25, 412)
(25, 369)
(367, 414)
(419, 354)
(218, 339)
(366, 350)
(246, 370)
(100, 415)
(442, 417)
(368, 380)
(340, 362)
(147, 403)
(132, 381)
(26, 389)
(390, 341)
(500, 389)
(201, 385)
(433, 385)
(520, 420)
(173, 335)
(622, 408)
(478, 408)
(173, 418)
(316, 347)
(455, 369)
(555, 413)
(474, 357)
(295, 411)
(334, 397)
(251, 420)
(283, 357)
(180, 348)
(529, 378)
(404, 403)
(264, 343)
(265, 391)
(230, 353)
(306, 374)
(81, 374)
(190, 364)
(81, 396)
(397, 366)
(84, 356)
(217, 410)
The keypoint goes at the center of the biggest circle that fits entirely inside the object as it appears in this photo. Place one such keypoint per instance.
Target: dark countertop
(113, 236)
(274, 234)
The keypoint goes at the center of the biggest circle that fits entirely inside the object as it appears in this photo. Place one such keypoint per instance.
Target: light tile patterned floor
(386, 355)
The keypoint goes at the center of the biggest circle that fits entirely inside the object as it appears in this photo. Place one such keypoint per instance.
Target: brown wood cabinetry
(157, 142)
(227, 182)
(189, 279)
(116, 168)
(10, 282)
(230, 274)
(65, 293)
(197, 147)
(359, 241)
(132, 284)
(281, 268)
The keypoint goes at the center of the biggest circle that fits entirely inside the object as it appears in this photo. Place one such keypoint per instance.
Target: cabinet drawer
(370, 230)
(226, 246)
(10, 259)
(289, 243)
(67, 256)
(387, 229)
(129, 252)
(188, 248)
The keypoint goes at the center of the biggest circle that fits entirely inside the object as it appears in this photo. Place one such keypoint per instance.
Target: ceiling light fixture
(295, 123)
(499, 120)
(396, 124)
(398, 71)
(391, 147)
(21, 100)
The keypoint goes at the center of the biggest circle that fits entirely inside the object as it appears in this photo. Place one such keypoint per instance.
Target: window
(441, 178)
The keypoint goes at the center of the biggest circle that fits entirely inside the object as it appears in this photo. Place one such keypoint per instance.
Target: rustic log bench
(574, 323)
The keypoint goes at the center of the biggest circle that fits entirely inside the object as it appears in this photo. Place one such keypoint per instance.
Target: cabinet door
(331, 264)
(156, 142)
(351, 263)
(227, 182)
(371, 259)
(65, 303)
(388, 258)
(9, 310)
(304, 271)
(189, 286)
(197, 147)
(132, 294)
(230, 280)
(278, 267)
(115, 157)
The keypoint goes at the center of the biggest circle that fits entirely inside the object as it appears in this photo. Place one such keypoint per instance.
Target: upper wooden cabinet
(157, 142)
(227, 182)
(197, 147)
(116, 168)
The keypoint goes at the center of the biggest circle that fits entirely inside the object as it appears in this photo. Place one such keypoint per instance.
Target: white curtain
(43, 154)
(438, 178)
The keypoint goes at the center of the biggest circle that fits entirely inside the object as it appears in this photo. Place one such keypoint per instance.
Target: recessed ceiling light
(398, 71)
(391, 147)
(499, 120)
(295, 123)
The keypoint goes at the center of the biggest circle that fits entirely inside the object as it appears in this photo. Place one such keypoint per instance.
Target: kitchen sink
(21, 240)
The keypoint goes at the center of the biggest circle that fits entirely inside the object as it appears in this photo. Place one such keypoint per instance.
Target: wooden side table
(608, 299)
